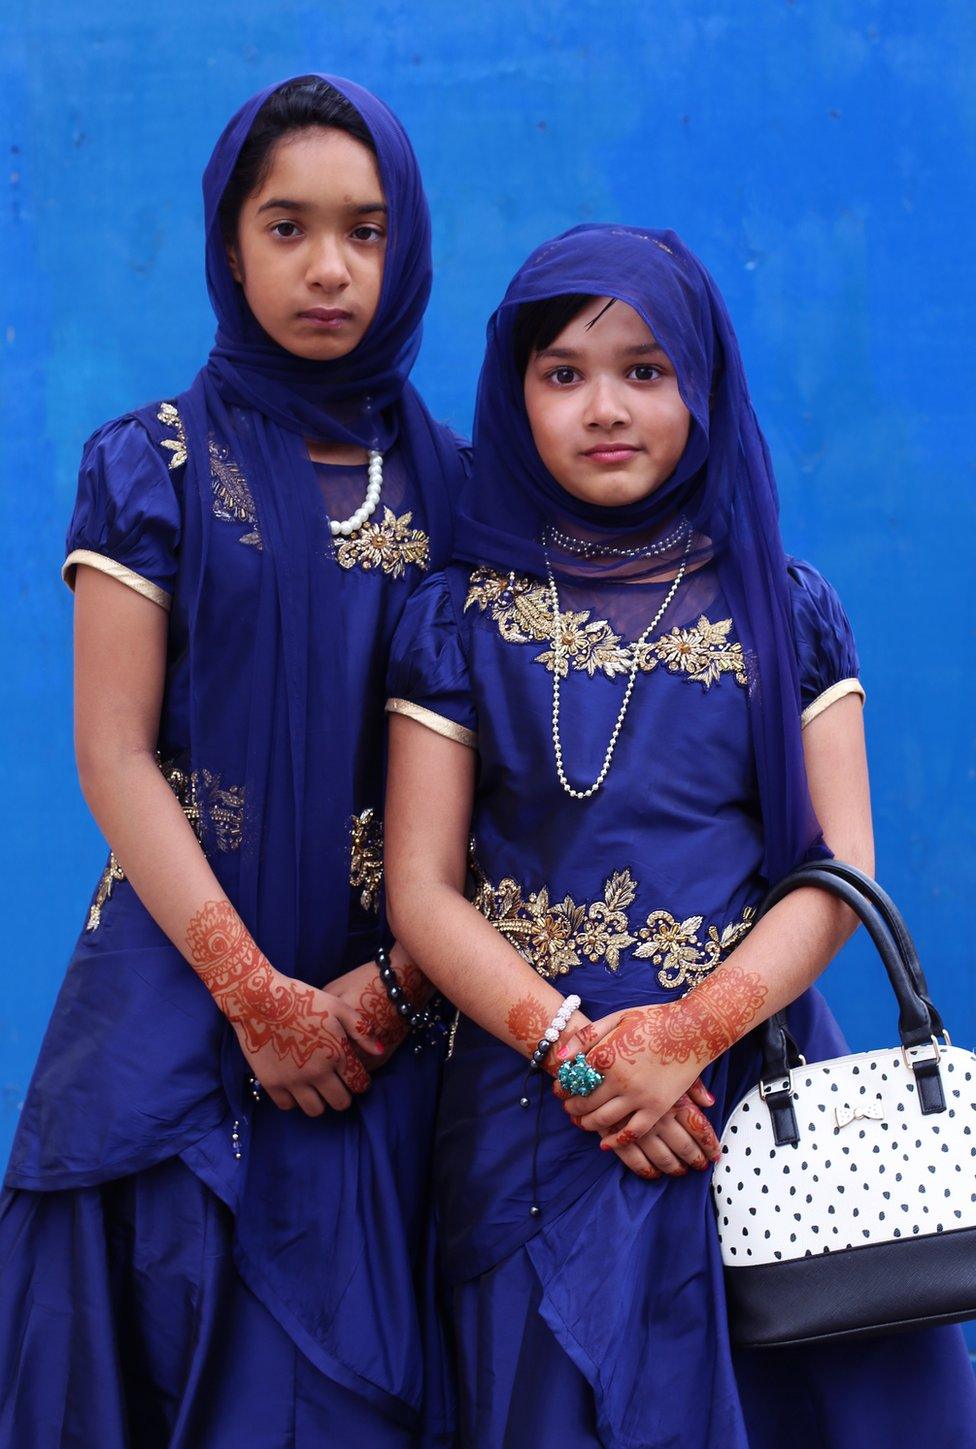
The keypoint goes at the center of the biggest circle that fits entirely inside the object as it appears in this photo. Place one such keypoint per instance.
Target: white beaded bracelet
(560, 1021)
(552, 1034)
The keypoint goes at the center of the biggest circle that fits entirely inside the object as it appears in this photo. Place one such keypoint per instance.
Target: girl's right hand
(298, 1042)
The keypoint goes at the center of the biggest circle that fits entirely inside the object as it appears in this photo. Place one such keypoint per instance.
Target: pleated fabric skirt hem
(125, 1323)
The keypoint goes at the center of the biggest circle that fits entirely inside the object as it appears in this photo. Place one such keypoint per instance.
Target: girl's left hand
(683, 1138)
(647, 1065)
(377, 1017)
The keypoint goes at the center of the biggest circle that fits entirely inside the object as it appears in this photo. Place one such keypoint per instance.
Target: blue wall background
(816, 153)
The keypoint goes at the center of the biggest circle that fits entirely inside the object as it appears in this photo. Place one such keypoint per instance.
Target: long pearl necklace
(374, 487)
(558, 653)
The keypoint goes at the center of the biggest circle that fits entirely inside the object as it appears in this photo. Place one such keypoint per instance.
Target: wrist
(417, 986)
(711, 1018)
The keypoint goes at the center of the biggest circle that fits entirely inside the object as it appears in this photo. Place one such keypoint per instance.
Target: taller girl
(183, 1262)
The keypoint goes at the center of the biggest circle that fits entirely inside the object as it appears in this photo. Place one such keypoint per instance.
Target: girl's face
(311, 241)
(604, 407)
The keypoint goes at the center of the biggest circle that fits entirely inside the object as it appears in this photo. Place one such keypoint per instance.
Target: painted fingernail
(563, 1053)
(711, 1099)
(606, 1146)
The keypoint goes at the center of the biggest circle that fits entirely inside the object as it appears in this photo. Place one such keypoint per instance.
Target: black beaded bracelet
(421, 1020)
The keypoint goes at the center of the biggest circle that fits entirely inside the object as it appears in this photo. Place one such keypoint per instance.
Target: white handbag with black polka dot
(846, 1192)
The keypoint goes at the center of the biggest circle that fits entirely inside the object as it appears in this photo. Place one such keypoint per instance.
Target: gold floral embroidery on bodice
(522, 609)
(555, 936)
(232, 498)
(366, 858)
(391, 545)
(176, 447)
(233, 501)
(214, 810)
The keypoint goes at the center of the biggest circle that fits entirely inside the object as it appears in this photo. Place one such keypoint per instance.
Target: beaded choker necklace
(593, 548)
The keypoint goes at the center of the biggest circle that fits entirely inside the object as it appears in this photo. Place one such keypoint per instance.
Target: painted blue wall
(817, 155)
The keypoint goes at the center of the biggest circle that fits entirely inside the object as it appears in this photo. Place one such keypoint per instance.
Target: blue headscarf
(263, 402)
(723, 483)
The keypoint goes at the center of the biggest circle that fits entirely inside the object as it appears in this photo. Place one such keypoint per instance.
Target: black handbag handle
(918, 1020)
(895, 922)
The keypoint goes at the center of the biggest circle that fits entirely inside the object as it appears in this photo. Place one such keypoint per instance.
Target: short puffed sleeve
(126, 521)
(825, 649)
(427, 678)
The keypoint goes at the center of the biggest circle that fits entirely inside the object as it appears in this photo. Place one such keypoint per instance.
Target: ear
(236, 270)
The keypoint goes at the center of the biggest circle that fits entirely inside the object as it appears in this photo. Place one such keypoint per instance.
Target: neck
(323, 451)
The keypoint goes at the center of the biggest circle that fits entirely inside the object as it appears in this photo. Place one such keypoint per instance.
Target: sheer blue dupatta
(264, 403)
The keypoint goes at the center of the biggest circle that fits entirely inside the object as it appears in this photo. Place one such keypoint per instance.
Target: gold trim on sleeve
(115, 570)
(436, 722)
(831, 696)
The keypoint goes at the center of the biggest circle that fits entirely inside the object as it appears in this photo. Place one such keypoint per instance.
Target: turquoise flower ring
(579, 1078)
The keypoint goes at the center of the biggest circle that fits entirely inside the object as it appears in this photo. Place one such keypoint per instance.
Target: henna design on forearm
(699, 1026)
(268, 1008)
(527, 1020)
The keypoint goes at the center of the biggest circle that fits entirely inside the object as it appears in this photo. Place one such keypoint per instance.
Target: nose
(327, 269)
(606, 406)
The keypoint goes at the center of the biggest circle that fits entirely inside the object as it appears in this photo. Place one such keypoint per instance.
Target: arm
(293, 1036)
(651, 1054)
(430, 790)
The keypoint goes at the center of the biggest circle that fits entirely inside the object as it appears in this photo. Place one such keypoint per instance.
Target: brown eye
(285, 229)
(646, 372)
(562, 376)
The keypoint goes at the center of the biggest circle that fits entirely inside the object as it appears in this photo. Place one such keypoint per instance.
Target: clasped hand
(649, 1107)
(303, 1044)
(314, 1048)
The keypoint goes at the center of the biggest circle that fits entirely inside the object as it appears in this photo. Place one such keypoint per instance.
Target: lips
(611, 453)
(326, 316)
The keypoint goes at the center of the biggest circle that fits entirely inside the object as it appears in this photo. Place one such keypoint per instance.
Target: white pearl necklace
(374, 487)
(592, 548)
(558, 653)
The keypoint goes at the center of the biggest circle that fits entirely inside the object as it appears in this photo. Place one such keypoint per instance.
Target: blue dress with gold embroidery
(602, 1320)
(159, 1288)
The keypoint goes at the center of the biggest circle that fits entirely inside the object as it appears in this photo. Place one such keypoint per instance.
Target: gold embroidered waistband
(555, 936)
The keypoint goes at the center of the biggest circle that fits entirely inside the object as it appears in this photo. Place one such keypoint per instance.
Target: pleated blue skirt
(125, 1325)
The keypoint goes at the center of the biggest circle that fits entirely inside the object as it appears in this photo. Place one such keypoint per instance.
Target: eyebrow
(569, 354)
(282, 203)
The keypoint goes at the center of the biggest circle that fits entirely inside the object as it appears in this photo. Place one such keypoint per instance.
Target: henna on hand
(697, 1125)
(699, 1026)
(268, 1009)
(378, 1016)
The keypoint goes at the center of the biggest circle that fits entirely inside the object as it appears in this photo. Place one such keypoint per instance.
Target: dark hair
(307, 101)
(537, 324)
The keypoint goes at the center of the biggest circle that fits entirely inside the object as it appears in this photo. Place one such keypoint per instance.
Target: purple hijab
(723, 483)
(263, 401)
